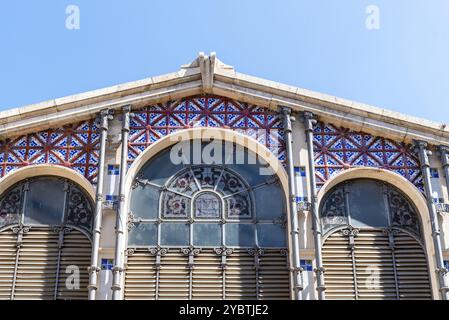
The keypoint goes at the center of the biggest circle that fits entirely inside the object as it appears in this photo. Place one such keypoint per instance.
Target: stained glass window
(365, 203)
(46, 201)
(206, 204)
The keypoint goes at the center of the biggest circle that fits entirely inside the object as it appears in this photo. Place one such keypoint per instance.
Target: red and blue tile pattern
(156, 121)
(337, 149)
(73, 146)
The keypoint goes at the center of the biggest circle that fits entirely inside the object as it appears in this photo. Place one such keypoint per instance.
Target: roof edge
(208, 75)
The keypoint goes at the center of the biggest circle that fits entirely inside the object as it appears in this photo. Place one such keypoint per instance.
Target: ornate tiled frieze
(156, 121)
(74, 146)
(337, 149)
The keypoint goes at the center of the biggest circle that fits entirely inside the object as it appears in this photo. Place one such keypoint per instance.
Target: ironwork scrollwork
(256, 251)
(223, 251)
(403, 214)
(350, 232)
(190, 251)
(333, 212)
(10, 207)
(79, 211)
(158, 251)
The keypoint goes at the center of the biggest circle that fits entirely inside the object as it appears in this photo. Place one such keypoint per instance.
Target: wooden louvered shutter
(273, 275)
(240, 276)
(174, 276)
(141, 276)
(207, 276)
(382, 265)
(40, 263)
(374, 266)
(37, 265)
(75, 251)
(8, 250)
(337, 261)
(412, 270)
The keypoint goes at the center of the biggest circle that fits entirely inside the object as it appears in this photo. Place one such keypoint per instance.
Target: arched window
(373, 247)
(218, 227)
(45, 227)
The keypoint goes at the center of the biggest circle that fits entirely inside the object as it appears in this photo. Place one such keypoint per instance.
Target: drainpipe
(423, 152)
(309, 122)
(121, 214)
(94, 268)
(444, 153)
(296, 271)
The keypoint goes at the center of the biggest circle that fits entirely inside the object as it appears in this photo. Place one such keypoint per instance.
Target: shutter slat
(207, 276)
(375, 272)
(38, 264)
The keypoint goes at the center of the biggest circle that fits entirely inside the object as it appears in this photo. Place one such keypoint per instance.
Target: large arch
(46, 170)
(50, 240)
(224, 135)
(408, 189)
(219, 133)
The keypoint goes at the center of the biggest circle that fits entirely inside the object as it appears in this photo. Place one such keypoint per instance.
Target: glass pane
(45, 202)
(145, 202)
(184, 183)
(207, 177)
(143, 234)
(175, 206)
(253, 174)
(174, 234)
(79, 209)
(239, 235)
(161, 168)
(207, 205)
(402, 211)
(271, 235)
(206, 234)
(270, 202)
(333, 210)
(230, 184)
(366, 204)
(10, 206)
(239, 206)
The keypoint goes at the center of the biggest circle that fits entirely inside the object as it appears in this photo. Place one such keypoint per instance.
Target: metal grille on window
(206, 231)
(372, 248)
(45, 226)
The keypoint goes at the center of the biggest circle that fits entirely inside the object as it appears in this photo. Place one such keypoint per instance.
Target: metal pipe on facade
(444, 154)
(309, 122)
(121, 213)
(423, 153)
(296, 270)
(94, 265)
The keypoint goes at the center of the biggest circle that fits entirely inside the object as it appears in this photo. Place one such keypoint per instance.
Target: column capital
(309, 119)
(286, 118)
(444, 154)
(421, 149)
(126, 113)
(307, 115)
(285, 110)
(104, 117)
(126, 108)
(420, 144)
(443, 149)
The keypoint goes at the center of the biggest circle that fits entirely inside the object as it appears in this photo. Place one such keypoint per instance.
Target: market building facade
(210, 184)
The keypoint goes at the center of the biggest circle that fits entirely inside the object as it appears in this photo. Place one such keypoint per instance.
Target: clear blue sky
(321, 45)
